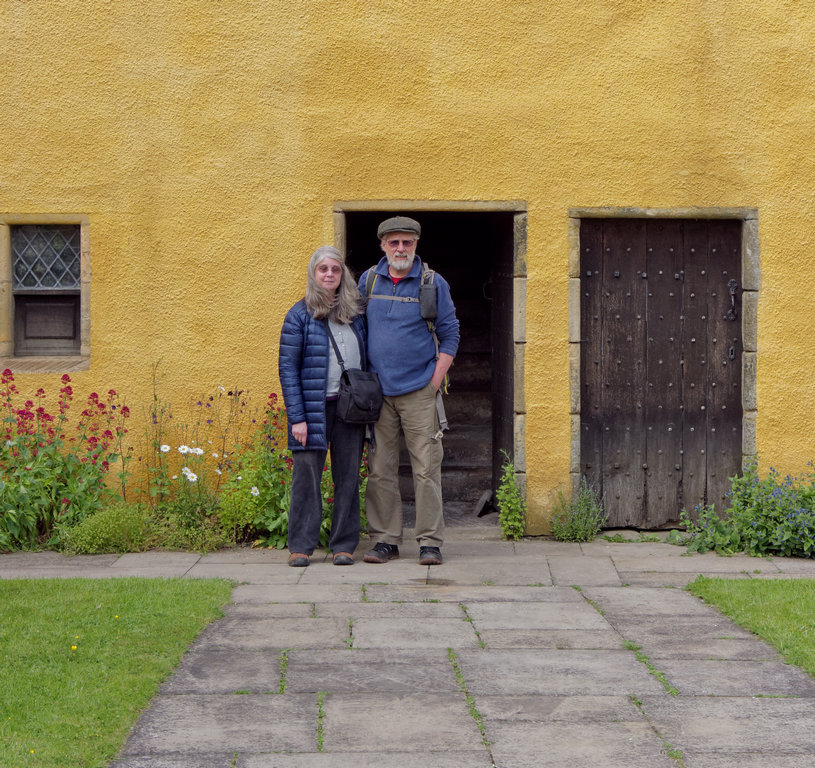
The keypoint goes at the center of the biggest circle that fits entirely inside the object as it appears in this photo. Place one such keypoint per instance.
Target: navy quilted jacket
(303, 368)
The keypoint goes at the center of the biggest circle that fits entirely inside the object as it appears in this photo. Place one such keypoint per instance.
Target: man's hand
(300, 432)
(442, 366)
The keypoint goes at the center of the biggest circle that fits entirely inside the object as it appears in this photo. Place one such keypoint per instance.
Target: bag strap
(428, 277)
(334, 344)
(369, 282)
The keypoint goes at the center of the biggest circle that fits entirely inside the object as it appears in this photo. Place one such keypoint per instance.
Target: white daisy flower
(192, 477)
(197, 451)
(183, 449)
(214, 455)
(217, 471)
(164, 448)
(254, 491)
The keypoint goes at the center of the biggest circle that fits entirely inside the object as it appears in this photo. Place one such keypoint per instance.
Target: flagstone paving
(508, 655)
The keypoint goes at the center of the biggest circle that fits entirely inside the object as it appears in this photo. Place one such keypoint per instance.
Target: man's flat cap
(399, 224)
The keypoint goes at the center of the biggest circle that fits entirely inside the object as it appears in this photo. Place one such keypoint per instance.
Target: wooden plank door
(660, 365)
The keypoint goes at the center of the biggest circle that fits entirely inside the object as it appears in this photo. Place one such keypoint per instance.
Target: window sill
(46, 364)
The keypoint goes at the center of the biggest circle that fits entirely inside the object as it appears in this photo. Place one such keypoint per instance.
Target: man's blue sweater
(400, 346)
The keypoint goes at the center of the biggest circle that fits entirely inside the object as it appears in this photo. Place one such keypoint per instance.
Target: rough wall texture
(207, 141)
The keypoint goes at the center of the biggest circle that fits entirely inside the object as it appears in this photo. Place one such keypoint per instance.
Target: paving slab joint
(474, 713)
(591, 602)
(671, 751)
(658, 674)
(284, 666)
(320, 720)
(471, 621)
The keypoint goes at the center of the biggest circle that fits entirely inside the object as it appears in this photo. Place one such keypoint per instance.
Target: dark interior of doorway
(473, 251)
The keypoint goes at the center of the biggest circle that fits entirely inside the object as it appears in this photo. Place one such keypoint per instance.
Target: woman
(310, 376)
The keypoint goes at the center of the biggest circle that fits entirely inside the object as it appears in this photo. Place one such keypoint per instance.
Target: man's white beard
(401, 263)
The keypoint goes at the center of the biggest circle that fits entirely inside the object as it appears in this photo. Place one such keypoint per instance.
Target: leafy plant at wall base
(580, 519)
(179, 526)
(52, 475)
(766, 516)
(710, 531)
(117, 527)
(511, 503)
(254, 500)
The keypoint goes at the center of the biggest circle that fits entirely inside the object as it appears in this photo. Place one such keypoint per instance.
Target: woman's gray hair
(342, 306)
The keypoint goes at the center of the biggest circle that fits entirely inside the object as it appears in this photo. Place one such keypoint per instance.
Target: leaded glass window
(46, 258)
(46, 263)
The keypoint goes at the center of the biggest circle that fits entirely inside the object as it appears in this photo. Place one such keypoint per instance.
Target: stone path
(535, 653)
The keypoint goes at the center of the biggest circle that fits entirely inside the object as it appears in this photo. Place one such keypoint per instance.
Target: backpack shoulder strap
(369, 282)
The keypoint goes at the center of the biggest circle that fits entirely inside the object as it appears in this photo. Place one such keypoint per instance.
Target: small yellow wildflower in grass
(87, 702)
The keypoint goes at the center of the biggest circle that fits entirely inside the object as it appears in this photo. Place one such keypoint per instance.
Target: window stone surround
(49, 363)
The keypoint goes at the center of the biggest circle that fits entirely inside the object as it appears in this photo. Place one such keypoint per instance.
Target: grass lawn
(781, 611)
(82, 657)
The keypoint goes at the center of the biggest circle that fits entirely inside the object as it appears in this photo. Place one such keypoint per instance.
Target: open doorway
(477, 253)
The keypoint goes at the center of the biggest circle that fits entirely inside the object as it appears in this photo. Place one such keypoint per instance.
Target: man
(412, 365)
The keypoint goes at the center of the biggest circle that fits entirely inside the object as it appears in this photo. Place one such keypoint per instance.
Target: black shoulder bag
(360, 397)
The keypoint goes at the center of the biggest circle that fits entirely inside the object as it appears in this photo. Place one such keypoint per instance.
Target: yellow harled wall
(206, 142)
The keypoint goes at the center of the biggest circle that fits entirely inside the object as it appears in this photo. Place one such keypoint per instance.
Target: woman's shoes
(300, 560)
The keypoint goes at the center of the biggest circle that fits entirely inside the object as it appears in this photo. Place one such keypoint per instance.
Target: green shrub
(580, 519)
(181, 526)
(770, 516)
(118, 527)
(254, 502)
(511, 503)
(50, 481)
(709, 531)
